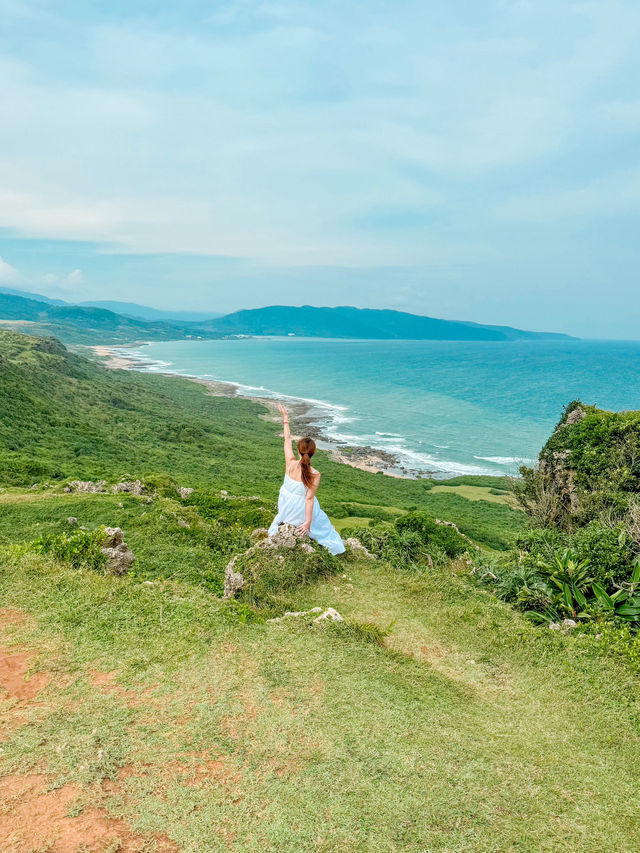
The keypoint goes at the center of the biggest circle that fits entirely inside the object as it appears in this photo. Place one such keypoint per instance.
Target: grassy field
(142, 713)
(467, 731)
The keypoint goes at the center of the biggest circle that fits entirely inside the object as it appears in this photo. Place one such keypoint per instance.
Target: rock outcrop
(328, 615)
(119, 556)
(356, 546)
(286, 538)
(87, 486)
(131, 487)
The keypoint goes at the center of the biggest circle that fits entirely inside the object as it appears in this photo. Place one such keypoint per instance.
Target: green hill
(86, 325)
(143, 712)
(367, 323)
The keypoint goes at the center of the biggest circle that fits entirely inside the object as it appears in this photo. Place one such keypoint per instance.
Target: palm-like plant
(625, 601)
(572, 578)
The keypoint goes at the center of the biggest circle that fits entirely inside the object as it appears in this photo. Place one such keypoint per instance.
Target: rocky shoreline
(305, 419)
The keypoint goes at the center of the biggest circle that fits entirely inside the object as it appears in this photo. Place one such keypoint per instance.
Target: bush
(80, 548)
(431, 533)
(609, 551)
(270, 572)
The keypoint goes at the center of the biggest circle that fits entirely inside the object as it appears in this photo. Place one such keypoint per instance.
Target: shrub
(80, 548)
(270, 572)
(431, 533)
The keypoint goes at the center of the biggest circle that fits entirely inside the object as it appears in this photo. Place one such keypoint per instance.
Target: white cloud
(269, 141)
(8, 274)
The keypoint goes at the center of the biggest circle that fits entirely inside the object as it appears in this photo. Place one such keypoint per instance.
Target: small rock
(574, 416)
(260, 533)
(569, 624)
(356, 545)
(183, 523)
(305, 546)
(120, 504)
(233, 581)
(72, 521)
(329, 615)
(184, 492)
(113, 536)
(554, 626)
(87, 486)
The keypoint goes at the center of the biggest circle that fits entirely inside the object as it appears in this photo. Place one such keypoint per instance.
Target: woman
(297, 502)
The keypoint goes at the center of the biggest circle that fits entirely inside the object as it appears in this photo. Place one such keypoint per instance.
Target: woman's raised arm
(288, 450)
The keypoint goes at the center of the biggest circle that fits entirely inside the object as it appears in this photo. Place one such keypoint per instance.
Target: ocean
(443, 407)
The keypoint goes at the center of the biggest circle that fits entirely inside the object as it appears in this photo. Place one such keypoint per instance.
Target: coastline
(304, 417)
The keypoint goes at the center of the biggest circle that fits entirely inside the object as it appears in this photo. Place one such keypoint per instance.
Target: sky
(461, 159)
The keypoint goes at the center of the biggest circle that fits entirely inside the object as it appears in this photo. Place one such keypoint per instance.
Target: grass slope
(435, 718)
(468, 731)
(64, 416)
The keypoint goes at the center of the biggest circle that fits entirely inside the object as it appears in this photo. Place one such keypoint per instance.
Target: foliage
(616, 639)
(81, 548)
(414, 539)
(432, 533)
(272, 573)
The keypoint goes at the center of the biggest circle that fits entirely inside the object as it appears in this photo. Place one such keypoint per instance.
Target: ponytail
(306, 449)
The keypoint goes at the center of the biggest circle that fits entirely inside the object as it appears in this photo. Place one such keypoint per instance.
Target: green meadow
(156, 716)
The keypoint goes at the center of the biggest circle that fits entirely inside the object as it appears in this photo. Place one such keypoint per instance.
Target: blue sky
(469, 160)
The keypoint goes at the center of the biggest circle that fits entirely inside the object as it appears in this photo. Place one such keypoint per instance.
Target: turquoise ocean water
(445, 407)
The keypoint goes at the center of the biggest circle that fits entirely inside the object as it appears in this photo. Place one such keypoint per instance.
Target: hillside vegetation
(347, 322)
(120, 322)
(86, 325)
(143, 712)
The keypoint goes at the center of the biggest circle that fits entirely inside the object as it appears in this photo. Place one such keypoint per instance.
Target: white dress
(291, 510)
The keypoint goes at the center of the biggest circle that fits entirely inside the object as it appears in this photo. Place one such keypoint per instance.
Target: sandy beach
(303, 420)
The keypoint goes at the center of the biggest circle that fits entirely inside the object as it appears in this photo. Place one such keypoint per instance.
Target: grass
(477, 493)
(434, 718)
(468, 730)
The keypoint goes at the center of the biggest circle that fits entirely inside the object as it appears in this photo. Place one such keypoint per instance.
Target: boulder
(233, 581)
(119, 556)
(132, 487)
(285, 537)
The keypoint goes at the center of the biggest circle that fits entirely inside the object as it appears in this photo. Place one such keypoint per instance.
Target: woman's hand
(283, 411)
(303, 530)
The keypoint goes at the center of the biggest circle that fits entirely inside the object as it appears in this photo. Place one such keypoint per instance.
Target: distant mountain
(95, 323)
(347, 322)
(144, 312)
(78, 324)
(39, 297)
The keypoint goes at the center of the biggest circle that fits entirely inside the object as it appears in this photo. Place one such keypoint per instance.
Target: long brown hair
(306, 449)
